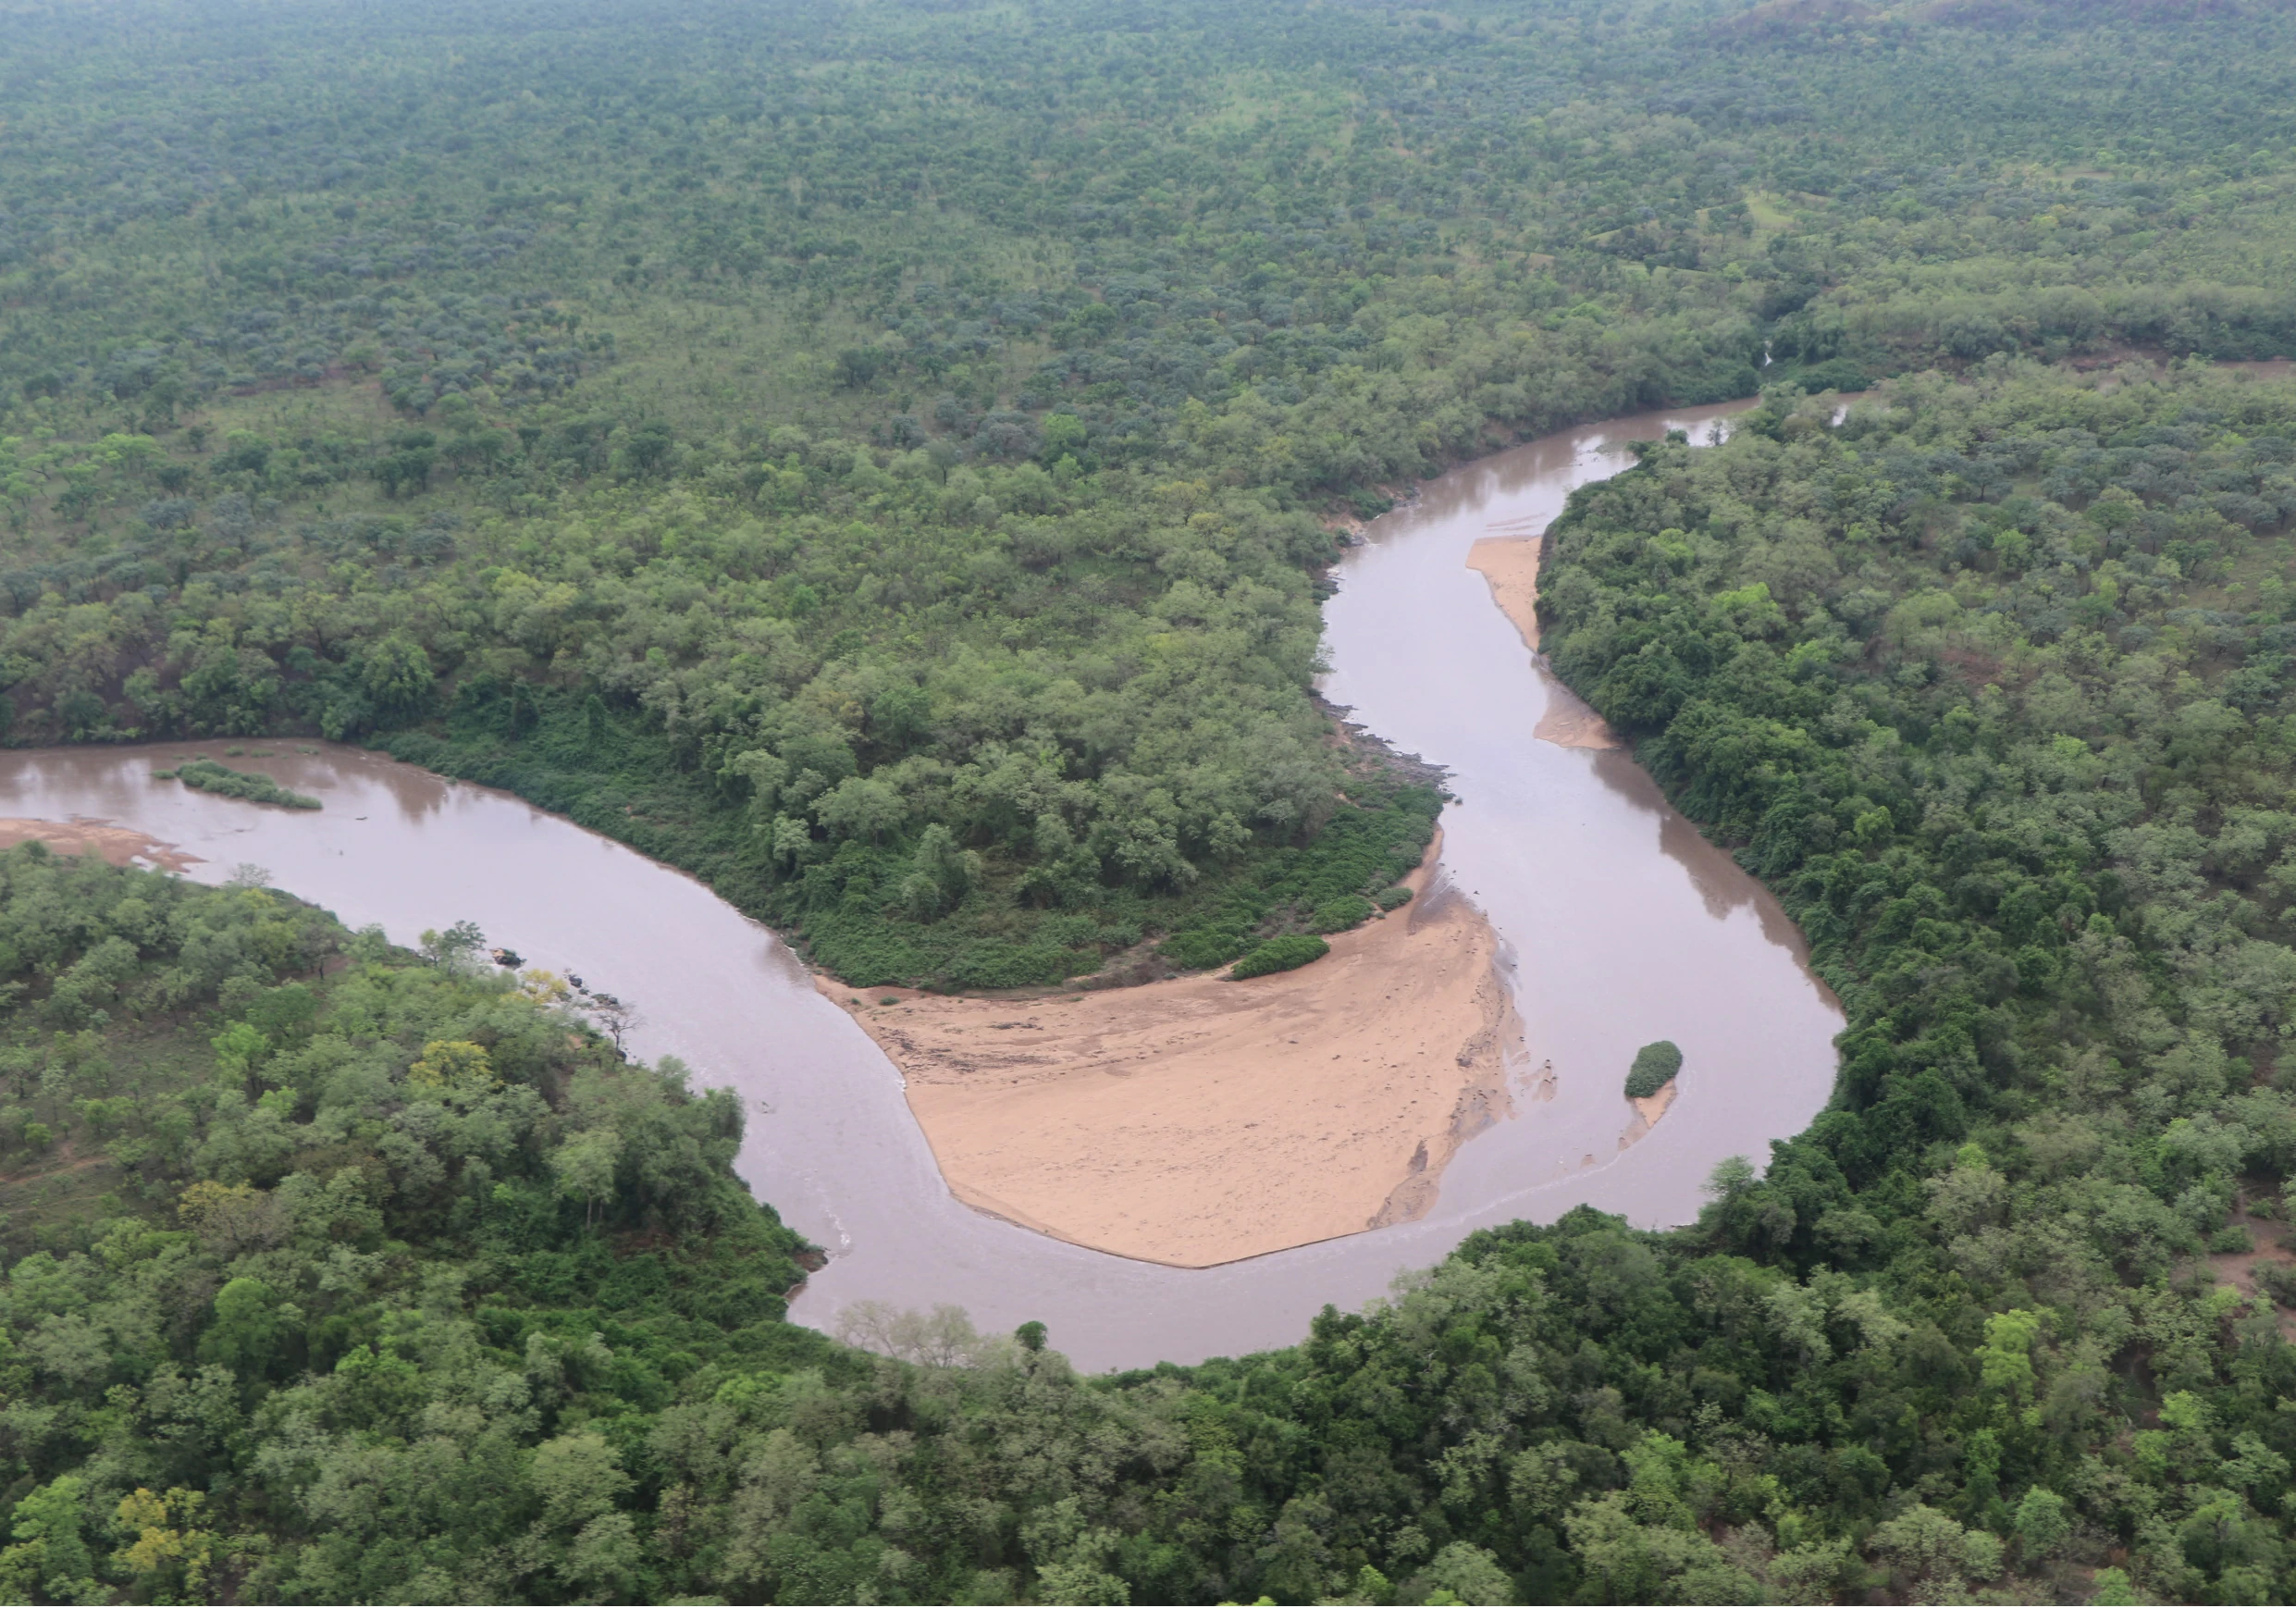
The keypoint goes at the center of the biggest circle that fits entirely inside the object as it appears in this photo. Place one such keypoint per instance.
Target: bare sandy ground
(120, 845)
(1511, 564)
(1198, 1120)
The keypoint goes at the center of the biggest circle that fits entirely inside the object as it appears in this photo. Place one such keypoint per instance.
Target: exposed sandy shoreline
(120, 845)
(1511, 564)
(1198, 1120)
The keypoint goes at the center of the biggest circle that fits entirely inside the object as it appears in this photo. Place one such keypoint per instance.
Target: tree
(1064, 436)
(51, 1553)
(453, 1065)
(240, 1048)
(1463, 1573)
(860, 808)
(613, 1016)
(454, 949)
(578, 1478)
(233, 1217)
(168, 1550)
(940, 873)
(586, 1167)
(396, 675)
(251, 1327)
(2042, 1522)
(1732, 1177)
(1936, 1551)
(2005, 1357)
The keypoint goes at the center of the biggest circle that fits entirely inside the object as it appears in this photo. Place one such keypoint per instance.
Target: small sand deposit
(1511, 564)
(1646, 1113)
(120, 845)
(1198, 1120)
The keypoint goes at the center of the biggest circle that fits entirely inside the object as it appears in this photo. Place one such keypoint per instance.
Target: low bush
(1200, 947)
(1393, 898)
(1284, 954)
(1655, 1066)
(1338, 915)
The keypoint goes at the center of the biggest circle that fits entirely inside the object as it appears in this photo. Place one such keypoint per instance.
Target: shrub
(982, 964)
(1655, 1066)
(1392, 898)
(1293, 949)
(1200, 947)
(1339, 914)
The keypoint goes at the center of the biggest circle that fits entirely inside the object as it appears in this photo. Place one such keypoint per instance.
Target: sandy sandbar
(1198, 1120)
(120, 845)
(1511, 564)
(1648, 1110)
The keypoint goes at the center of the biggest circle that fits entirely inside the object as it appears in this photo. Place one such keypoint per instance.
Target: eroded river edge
(1613, 924)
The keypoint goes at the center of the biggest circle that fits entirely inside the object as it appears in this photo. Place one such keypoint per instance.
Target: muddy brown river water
(1621, 925)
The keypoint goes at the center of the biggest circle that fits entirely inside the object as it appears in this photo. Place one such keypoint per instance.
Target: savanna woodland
(884, 456)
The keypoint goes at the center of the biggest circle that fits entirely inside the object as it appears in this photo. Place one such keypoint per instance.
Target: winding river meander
(1621, 925)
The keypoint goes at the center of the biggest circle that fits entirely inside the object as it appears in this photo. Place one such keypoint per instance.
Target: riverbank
(1510, 563)
(1198, 1121)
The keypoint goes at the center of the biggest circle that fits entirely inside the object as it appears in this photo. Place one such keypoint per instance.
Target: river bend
(1620, 925)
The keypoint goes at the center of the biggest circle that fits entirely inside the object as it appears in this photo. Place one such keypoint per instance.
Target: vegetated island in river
(1201, 1121)
(210, 777)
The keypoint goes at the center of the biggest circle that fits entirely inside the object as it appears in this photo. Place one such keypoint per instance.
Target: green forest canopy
(882, 456)
(769, 433)
(341, 1275)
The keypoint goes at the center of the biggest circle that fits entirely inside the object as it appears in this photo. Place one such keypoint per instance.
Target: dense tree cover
(1991, 681)
(336, 1274)
(402, 1286)
(880, 456)
(902, 417)
(347, 1275)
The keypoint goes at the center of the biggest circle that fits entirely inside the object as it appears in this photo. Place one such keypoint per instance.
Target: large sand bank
(1511, 564)
(120, 845)
(1199, 1120)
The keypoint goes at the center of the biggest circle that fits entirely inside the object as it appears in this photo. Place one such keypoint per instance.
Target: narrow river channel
(1621, 925)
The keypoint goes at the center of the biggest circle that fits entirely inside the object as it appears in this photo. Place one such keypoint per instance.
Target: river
(1621, 925)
